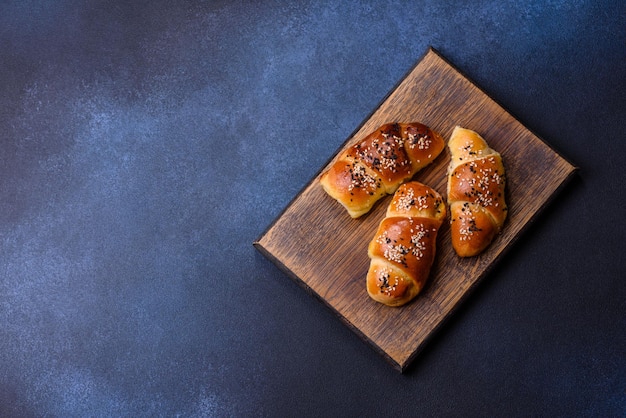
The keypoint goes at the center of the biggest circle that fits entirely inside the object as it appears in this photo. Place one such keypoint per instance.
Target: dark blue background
(145, 145)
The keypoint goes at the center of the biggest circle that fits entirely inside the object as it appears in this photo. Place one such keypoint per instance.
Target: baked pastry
(476, 182)
(377, 165)
(403, 249)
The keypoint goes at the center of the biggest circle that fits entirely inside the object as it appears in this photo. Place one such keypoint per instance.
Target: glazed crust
(377, 165)
(476, 192)
(403, 248)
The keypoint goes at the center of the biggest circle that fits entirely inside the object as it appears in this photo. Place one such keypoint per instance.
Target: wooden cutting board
(317, 244)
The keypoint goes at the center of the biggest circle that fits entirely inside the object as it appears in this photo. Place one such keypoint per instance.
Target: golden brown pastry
(377, 165)
(476, 181)
(403, 249)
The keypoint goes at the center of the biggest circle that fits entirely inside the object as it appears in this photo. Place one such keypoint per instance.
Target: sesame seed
(420, 141)
(397, 252)
(361, 179)
(417, 239)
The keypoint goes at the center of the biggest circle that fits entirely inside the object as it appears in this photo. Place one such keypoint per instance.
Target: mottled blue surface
(145, 145)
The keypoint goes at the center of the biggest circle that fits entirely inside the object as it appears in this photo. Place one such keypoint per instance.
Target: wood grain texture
(316, 243)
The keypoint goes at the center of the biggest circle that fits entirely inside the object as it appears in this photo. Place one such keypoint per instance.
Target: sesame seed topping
(407, 200)
(417, 239)
(468, 226)
(361, 179)
(384, 276)
(398, 252)
(480, 183)
(383, 155)
(419, 141)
